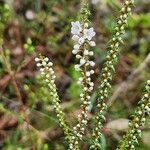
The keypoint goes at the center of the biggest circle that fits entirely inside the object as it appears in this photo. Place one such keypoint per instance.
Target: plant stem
(108, 71)
(139, 118)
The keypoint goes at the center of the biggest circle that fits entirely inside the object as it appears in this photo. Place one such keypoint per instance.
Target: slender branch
(81, 50)
(138, 122)
(47, 71)
(107, 73)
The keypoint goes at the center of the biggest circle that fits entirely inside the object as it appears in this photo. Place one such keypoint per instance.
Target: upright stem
(139, 117)
(82, 122)
(108, 72)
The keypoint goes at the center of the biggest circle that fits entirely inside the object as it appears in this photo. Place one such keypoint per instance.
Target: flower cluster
(108, 70)
(138, 122)
(47, 71)
(82, 36)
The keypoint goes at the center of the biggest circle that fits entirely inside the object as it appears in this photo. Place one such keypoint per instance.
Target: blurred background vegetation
(28, 28)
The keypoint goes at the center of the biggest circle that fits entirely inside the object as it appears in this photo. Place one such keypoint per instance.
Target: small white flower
(46, 59)
(44, 63)
(50, 64)
(77, 46)
(91, 84)
(47, 76)
(52, 72)
(39, 64)
(86, 52)
(82, 61)
(47, 80)
(75, 38)
(129, 9)
(53, 76)
(92, 43)
(88, 73)
(92, 63)
(76, 27)
(88, 97)
(89, 33)
(91, 53)
(91, 88)
(78, 56)
(50, 69)
(85, 88)
(81, 40)
(41, 69)
(78, 125)
(92, 72)
(37, 59)
(75, 51)
(89, 79)
(86, 25)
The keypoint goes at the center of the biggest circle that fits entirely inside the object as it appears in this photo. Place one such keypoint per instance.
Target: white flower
(77, 46)
(81, 40)
(89, 33)
(41, 69)
(88, 73)
(37, 59)
(78, 56)
(92, 72)
(75, 38)
(91, 88)
(92, 43)
(44, 63)
(47, 76)
(91, 84)
(75, 51)
(91, 53)
(46, 59)
(82, 61)
(89, 79)
(50, 64)
(86, 52)
(92, 63)
(76, 27)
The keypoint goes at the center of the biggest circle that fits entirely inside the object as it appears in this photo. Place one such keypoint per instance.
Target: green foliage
(37, 93)
(5, 13)
(28, 46)
(50, 28)
(74, 86)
